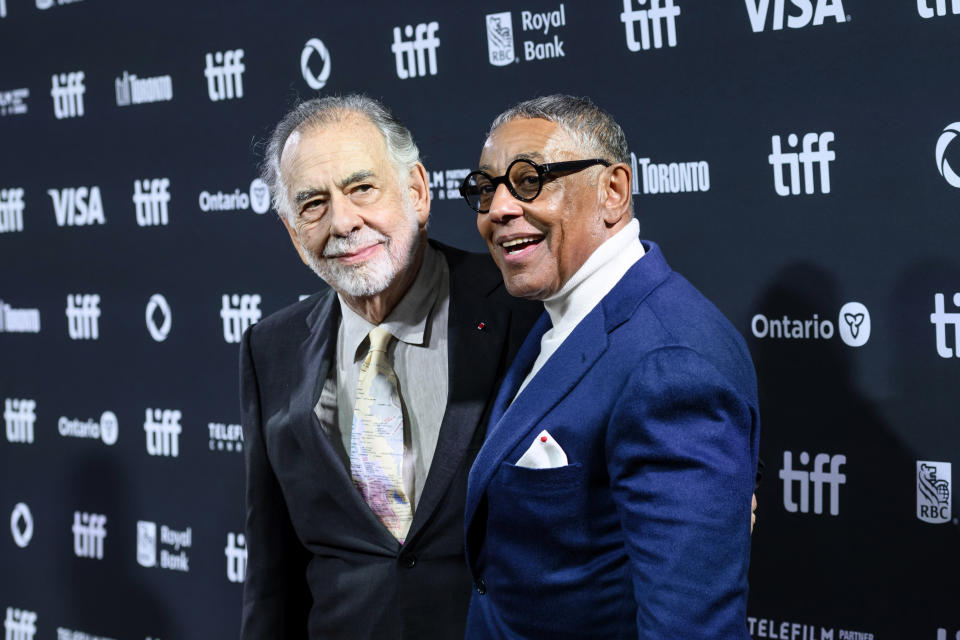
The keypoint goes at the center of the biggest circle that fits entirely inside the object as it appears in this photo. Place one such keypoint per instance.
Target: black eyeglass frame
(570, 166)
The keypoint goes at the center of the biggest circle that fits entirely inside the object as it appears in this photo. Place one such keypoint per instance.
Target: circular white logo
(158, 303)
(44, 4)
(21, 525)
(259, 196)
(109, 427)
(949, 133)
(319, 80)
(854, 324)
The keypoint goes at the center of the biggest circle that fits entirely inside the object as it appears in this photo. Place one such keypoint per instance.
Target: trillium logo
(854, 324)
(949, 133)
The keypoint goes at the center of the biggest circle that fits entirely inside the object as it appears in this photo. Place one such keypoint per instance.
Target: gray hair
(318, 112)
(591, 127)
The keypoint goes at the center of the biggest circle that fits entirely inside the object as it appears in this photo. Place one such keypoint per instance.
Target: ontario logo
(853, 326)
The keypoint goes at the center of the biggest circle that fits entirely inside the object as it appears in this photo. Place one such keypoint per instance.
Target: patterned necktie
(376, 441)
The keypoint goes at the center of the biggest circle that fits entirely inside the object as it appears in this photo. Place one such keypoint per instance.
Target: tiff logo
(238, 313)
(784, 161)
(12, 102)
(818, 477)
(83, 316)
(151, 198)
(67, 93)
(926, 11)
(77, 206)
(411, 61)
(224, 73)
(657, 18)
(162, 427)
(940, 319)
(759, 9)
(20, 415)
(19, 624)
(89, 530)
(11, 210)
(236, 552)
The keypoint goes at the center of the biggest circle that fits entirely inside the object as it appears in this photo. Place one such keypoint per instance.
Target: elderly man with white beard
(364, 405)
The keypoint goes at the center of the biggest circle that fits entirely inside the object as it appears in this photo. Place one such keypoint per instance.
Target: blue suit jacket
(646, 532)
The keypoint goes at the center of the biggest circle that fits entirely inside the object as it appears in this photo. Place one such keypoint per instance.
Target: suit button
(481, 587)
(409, 560)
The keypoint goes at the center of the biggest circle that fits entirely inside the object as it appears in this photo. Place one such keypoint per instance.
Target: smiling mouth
(519, 244)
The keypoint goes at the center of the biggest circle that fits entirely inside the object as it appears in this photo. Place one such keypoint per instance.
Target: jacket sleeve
(276, 597)
(681, 452)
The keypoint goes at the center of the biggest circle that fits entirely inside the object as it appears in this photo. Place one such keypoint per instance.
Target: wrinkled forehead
(532, 138)
(344, 145)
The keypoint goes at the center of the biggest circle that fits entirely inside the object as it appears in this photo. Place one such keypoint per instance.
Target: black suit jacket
(320, 563)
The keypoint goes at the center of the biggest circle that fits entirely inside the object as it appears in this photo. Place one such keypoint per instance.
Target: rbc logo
(789, 162)
(411, 61)
(818, 477)
(933, 491)
(500, 39)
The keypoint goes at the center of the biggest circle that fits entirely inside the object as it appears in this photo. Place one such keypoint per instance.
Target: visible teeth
(513, 243)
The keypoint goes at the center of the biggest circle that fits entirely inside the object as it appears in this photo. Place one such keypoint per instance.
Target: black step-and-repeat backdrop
(796, 159)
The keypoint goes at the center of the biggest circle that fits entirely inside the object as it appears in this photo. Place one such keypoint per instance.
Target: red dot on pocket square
(543, 438)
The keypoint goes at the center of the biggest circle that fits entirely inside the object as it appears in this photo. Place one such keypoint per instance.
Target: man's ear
(294, 239)
(418, 190)
(615, 193)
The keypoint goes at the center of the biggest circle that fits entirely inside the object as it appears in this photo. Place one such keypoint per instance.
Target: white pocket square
(544, 453)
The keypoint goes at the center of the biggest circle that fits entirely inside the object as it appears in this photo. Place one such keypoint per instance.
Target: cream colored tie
(376, 441)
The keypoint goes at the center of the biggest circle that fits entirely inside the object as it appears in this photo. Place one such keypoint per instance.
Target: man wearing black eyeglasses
(611, 496)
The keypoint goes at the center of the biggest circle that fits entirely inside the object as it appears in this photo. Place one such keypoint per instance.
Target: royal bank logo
(162, 428)
(67, 92)
(652, 178)
(445, 184)
(83, 316)
(14, 101)
(151, 197)
(159, 318)
(257, 198)
(172, 545)
(224, 72)
(225, 437)
(939, 9)
(315, 48)
(802, 13)
(416, 57)
(89, 532)
(812, 482)
(853, 326)
(500, 39)
(19, 414)
(11, 210)
(786, 164)
(19, 624)
(949, 133)
(933, 491)
(18, 320)
(941, 319)
(238, 312)
(21, 525)
(132, 90)
(236, 552)
(77, 206)
(106, 429)
(653, 21)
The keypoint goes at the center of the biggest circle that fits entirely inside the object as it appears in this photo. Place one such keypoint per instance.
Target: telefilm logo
(172, 545)
(11, 210)
(853, 326)
(933, 491)
(151, 197)
(236, 552)
(946, 137)
(89, 532)
(106, 429)
(21, 525)
(767, 628)
(162, 428)
(20, 624)
(70, 634)
(815, 479)
(19, 414)
(941, 319)
(77, 206)
(67, 92)
(238, 312)
(315, 80)
(673, 177)
(659, 18)
(14, 101)
(416, 57)
(445, 184)
(18, 320)
(257, 197)
(224, 72)
(500, 41)
(801, 14)
(159, 317)
(786, 164)
(938, 8)
(132, 90)
(225, 437)
(83, 316)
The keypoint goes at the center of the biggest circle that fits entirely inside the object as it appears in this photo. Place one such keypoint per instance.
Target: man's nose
(344, 216)
(504, 206)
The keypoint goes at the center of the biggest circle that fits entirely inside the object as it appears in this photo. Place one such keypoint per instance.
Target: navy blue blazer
(646, 532)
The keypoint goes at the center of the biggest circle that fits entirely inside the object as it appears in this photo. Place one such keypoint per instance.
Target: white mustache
(349, 244)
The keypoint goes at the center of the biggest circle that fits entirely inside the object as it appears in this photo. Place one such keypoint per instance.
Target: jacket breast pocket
(540, 482)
